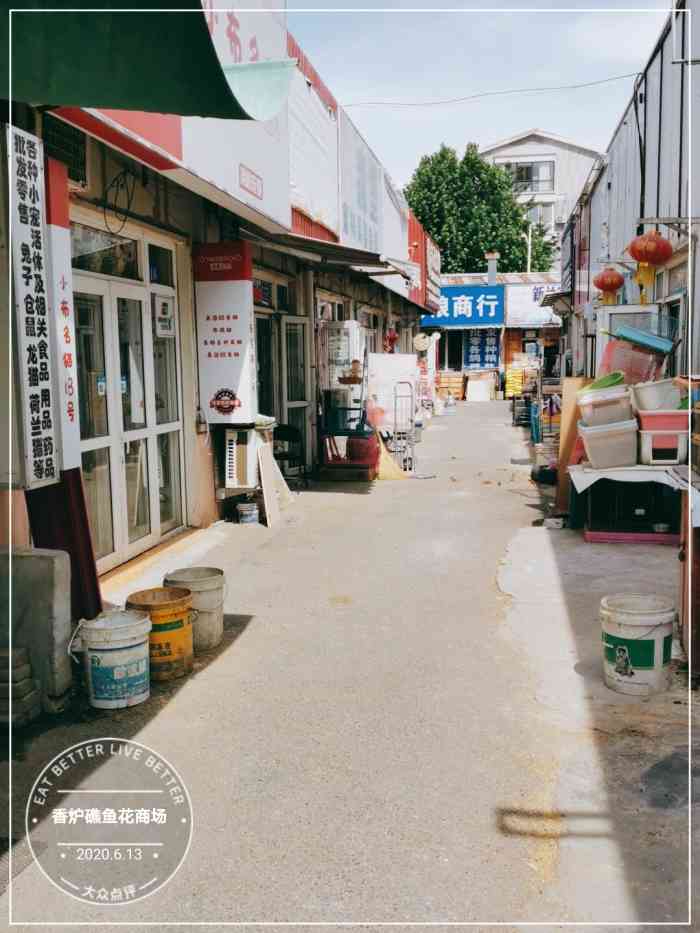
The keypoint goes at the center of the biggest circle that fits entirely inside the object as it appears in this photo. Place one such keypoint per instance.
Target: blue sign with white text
(481, 348)
(469, 306)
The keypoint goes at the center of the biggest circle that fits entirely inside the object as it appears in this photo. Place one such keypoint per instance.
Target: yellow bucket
(170, 609)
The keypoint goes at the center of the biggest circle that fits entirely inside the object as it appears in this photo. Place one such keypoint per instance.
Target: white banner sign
(225, 333)
(32, 311)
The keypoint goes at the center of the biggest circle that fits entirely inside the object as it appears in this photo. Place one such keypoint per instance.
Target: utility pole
(528, 236)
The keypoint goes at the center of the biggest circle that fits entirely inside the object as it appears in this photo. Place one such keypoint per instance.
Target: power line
(462, 100)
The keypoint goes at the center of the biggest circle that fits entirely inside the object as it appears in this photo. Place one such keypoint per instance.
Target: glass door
(295, 383)
(129, 416)
(98, 414)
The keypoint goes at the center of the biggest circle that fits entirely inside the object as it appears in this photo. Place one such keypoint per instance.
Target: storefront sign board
(468, 306)
(32, 301)
(481, 348)
(225, 332)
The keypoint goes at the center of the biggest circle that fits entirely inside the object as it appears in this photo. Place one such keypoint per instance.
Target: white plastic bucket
(207, 585)
(115, 646)
(637, 640)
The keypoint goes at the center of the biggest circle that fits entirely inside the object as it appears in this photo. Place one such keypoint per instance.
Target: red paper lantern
(651, 248)
(609, 280)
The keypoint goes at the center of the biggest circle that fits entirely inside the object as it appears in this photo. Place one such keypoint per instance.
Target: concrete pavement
(405, 722)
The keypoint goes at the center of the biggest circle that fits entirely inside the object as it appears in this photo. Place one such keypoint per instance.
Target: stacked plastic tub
(663, 424)
(608, 427)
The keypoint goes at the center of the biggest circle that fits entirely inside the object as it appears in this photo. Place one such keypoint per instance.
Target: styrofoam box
(663, 447)
(605, 406)
(651, 396)
(610, 445)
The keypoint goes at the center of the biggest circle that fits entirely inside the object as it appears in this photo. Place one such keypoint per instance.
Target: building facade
(548, 173)
(201, 262)
(641, 183)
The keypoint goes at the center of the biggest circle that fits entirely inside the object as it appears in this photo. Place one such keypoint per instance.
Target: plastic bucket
(170, 609)
(247, 513)
(637, 639)
(115, 646)
(207, 585)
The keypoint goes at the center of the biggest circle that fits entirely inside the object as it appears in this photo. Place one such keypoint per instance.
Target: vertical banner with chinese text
(33, 346)
(223, 274)
(60, 287)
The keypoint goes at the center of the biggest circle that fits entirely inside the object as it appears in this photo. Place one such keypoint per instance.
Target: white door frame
(110, 290)
(306, 403)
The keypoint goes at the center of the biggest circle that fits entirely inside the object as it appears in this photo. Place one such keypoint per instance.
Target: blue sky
(404, 56)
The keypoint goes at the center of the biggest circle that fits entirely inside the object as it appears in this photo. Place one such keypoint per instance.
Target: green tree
(468, 207)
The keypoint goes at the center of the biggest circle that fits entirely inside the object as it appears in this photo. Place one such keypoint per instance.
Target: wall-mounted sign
(225, 322)
(481, 348)
(523, 307)
(262, 293)
(468, 306)
(34, 346)
(60, 281)
(165, 317)
(432, 285)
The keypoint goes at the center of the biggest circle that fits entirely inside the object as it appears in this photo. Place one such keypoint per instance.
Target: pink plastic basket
(637, 364)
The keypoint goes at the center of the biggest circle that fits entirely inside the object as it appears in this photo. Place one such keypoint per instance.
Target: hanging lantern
(650, 250)
(609, 282)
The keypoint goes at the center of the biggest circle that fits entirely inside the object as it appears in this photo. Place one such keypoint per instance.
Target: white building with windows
(548, 174)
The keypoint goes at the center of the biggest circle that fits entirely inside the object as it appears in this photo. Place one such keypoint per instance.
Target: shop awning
(122, 58)
(320, 251)
(560, 300)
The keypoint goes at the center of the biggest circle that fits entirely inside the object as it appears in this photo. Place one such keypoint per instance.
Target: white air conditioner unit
(240, 464)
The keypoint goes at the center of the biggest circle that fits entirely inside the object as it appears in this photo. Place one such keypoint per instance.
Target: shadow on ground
(81, 722)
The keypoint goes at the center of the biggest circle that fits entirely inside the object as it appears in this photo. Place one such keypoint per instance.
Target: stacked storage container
(663, 424)
(607, 426)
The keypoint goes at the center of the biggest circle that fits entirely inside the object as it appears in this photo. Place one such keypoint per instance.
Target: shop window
(107, 253)
(263, 293)
(164, 358)
(92, 375)
(169, 481)
(98, 499)
(296, 383)
(160, 265)
(66, 144)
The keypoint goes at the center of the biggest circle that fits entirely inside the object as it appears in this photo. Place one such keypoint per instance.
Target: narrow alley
(406, 721)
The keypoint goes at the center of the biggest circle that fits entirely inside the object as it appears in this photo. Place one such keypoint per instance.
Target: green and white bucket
(115, 646)
(637, 640)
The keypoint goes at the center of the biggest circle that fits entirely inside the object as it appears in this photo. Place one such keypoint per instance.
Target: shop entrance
(130, 422)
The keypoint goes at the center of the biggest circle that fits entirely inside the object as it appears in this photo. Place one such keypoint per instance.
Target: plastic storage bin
(652, 396)
(658, 448)
(664, 420)
(605, 406)
(610, 445)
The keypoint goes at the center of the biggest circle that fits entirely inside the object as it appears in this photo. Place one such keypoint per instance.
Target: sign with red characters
(225, 332)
